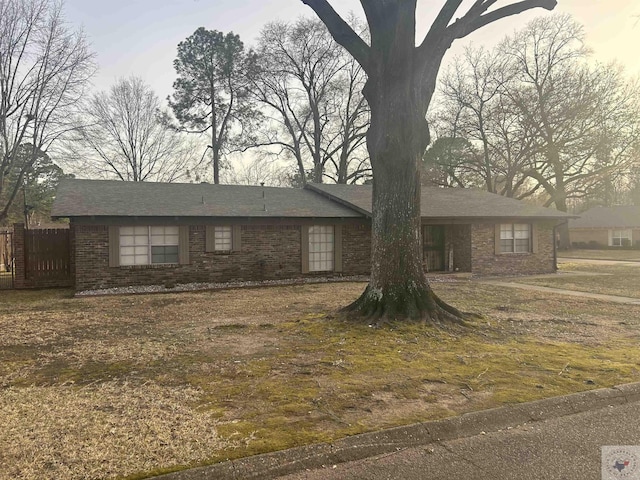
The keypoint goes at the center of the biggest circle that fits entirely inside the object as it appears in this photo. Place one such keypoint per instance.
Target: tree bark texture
(396, 140)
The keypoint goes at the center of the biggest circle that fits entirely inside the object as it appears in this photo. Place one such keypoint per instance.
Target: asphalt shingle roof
(82, 198)
(447, 203)
(108, 198)
(608, 217)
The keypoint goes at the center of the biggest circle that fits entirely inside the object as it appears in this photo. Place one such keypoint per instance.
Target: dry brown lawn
(131, 386)
(621, 280)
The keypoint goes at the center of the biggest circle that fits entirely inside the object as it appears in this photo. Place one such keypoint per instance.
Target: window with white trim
(222, 235)
(321, 248)
(515, 238)
(620, 238)
(146, 245)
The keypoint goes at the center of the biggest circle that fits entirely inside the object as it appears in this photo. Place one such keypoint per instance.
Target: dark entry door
(433, 250)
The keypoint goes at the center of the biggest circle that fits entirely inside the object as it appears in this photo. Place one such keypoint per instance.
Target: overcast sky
(139, 37)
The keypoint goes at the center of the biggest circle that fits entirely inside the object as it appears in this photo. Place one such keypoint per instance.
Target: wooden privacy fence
(47, 255)
(42, 257)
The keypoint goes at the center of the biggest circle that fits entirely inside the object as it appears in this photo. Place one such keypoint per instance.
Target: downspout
(555, 244)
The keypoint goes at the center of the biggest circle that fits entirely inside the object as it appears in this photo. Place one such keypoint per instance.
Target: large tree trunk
(396, 140)
(401, 81)
(398, 287)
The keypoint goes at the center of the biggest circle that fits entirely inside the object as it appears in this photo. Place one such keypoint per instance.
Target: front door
(433, 251)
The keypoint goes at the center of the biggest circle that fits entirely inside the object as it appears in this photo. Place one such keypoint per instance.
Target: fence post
(20, 255)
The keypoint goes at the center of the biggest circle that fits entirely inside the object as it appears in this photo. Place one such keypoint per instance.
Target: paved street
(565, 448)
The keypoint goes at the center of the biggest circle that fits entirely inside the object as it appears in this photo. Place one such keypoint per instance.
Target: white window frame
(322, 248)
(143, 239)
(617, 235)
(223, 238)
(514, 232)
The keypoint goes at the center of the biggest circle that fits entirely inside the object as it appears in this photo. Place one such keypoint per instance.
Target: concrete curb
(273, 465)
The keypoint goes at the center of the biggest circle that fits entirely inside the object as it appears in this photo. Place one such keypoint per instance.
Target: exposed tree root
(418, 304)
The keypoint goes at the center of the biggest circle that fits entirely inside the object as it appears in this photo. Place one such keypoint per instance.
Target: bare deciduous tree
(315, 112)
(44, 68)
(540, 119)
(125, 134)
(575, 112)
(474, 107)
(401, 79)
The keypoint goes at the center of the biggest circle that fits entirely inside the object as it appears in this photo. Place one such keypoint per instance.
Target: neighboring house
(127, 233)
(606, 227)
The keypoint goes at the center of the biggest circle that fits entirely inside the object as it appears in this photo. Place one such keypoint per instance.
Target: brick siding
(356, 248)
(273, 252)
(486, 262)
(268, 252)
(19, 255)
(590, 237)
(461, 242)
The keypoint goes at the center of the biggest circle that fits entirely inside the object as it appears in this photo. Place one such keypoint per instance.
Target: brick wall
(273, 252)
(461, 242)
(90, 253)
(356, 248)
(588, 235)
(267, 252)
(486, 262)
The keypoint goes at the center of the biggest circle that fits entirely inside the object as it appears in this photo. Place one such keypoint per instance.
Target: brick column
(19, 255)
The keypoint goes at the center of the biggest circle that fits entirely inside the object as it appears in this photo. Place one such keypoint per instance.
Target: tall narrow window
(515, 238)
(321, 248)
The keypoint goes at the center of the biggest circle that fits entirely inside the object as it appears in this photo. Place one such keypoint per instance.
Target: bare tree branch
(125, 134)
(44, 68)
(341, 31)
(441, 22)
(472, 21)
